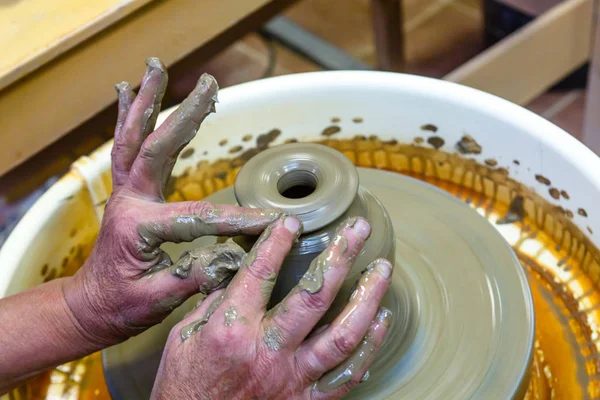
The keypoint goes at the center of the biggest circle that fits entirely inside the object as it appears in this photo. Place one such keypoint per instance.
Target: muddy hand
(129, 284)
(231, 347)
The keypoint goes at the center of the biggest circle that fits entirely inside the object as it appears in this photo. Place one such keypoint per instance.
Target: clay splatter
(247, 138)
(331, 130)
(418, 140)
(357, 120)
(288, 141)
(223, 142)
(263, 141)
(554, 193)
(543, 180)
(564, 194)
(187, 153)
(235, 149)
(517, 162)
(491, 162)
(582, 212)
(468, 145)
(436, 142)
(516, 211)
(569, 213)
(429, 127)
(335, 120)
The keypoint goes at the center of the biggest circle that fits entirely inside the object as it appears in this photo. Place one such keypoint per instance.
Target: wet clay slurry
(356, 362)
(566, 298)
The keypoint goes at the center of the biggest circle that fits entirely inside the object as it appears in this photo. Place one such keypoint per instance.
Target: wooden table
(61, 58)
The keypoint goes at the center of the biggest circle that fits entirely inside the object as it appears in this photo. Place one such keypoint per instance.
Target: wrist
(90, 317)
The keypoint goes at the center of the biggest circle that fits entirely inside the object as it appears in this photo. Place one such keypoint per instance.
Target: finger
(334, 345)
(126, 97)
(141, 118)
(189, 220)
(201, 270)
(251, 288)
(338, 381)
(296, 315)
(153, 166)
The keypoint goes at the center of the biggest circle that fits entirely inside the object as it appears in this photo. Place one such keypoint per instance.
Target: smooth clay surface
(453, 335)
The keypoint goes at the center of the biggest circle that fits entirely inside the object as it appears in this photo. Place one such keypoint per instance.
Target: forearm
(38, 331)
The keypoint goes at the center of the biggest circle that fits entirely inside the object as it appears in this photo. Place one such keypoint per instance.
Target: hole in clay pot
(297, 184)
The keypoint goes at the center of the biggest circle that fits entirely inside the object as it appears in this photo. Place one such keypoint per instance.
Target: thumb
(201, 270)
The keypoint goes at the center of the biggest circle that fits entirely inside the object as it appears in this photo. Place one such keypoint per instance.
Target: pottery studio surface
(490, 207)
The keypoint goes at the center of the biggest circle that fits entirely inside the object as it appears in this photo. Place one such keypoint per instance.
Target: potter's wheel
(463, 325)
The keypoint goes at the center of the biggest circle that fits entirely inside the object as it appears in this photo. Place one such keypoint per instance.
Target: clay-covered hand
(231, 347)
(128, 283)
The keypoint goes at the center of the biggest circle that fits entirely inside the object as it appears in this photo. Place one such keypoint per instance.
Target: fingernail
(362, 228)
(292, 224)
(384, 267)
(384, 316)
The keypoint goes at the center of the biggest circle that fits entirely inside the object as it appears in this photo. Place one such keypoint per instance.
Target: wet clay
(247, 138)
(186, 228)
(218, 264)
(564, 194)
(349, 369)
(366, 376)
(331, 130)
(197, 326)
(429, 127)
(154, 66)
(249, 258)
(266, 286)
(312, 280)
(436, 142)
(273, 338)
(335, 120)
(468, 145)
(235, 149)
(223, 142)
(582, 212)
(230, 316)
(491, 162)
(357, 120)
(418, 140)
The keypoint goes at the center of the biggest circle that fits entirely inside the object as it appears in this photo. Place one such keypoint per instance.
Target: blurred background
(62, 59)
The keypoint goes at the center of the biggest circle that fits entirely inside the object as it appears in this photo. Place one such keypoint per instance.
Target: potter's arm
(38, 331)
(129, 284)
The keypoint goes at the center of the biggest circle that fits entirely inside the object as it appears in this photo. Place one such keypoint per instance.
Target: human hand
(231, 347)
(129, 284)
